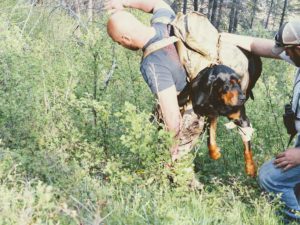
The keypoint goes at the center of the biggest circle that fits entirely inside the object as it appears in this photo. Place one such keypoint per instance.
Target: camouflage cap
(288, 35)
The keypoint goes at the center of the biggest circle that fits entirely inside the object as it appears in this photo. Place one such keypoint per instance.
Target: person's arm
(288, 159)
(160, 81)
(171, 115)
(258, 46)
(148, 6)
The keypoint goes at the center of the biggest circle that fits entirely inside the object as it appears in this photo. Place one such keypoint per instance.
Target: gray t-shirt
(296, 93)
(296, 99)
(162, 68)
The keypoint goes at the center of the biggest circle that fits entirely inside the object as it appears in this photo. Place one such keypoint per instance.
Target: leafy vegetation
(77, 145)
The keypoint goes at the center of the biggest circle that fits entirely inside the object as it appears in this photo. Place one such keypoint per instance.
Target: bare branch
(71, 13)
(110, 73)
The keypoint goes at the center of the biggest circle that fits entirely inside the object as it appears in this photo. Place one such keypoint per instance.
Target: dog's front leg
(245, 130)
(249, 162)
(214, 150)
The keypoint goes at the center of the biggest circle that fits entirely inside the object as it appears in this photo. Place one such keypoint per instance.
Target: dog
(216, 91)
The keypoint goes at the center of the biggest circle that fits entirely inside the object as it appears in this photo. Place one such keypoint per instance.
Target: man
(161, 69)
(282, 174)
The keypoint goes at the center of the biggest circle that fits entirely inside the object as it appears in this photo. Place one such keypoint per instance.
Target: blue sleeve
(157, 77)
(167, 15)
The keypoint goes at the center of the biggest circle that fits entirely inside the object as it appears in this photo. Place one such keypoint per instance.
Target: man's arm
(171, 115)
(258, 46)
(148, 6)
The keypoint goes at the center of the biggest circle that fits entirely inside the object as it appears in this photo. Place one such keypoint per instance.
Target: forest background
(76, 143)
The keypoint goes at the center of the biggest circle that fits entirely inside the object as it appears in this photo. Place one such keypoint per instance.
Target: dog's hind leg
(214, 150)
(245, 130)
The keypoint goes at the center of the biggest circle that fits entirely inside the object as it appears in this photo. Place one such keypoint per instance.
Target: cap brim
(277, 50)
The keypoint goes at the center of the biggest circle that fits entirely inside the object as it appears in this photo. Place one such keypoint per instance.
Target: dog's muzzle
(241, 99)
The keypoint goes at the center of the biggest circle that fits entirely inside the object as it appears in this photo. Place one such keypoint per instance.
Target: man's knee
(269, 176)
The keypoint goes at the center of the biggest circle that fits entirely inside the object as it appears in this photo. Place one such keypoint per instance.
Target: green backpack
(199, 46)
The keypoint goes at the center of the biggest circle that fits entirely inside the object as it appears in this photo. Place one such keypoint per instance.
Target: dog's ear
(199, 92)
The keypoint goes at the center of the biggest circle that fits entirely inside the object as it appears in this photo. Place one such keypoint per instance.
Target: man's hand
(288, 159)
(113, 5)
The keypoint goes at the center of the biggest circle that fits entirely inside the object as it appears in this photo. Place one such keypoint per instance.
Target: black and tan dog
(216, 91)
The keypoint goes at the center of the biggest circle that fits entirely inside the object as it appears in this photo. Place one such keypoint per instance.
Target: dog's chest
(217, 109)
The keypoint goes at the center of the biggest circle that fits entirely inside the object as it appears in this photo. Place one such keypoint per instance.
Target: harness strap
(296, 118)
(159, 44)
(218, 49)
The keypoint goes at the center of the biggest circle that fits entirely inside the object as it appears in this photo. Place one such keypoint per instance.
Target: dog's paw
(250, 170)
(214, 152)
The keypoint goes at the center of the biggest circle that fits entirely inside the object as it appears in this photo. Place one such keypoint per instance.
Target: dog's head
(225, 85)
(217, 87)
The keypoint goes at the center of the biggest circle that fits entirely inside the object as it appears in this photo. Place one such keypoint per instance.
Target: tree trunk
(254, 2)
(90, 10)
(184, 6)
(95, 86)
(219, 14)
(275, 13)
(195, 5)
(176, 6)
(236, 15)
(269, 14)
(213, 17)
(77, 7)
(210, 4)
(231, 16)
(201, 6)
(283, 12)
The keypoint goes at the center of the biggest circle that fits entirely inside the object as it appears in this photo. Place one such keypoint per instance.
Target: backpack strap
(159, 44)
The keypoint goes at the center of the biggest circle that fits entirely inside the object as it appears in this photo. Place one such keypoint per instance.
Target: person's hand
(113, 5)
(288, 159)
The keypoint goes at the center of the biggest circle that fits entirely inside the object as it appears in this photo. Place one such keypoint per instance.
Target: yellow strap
(159, 44)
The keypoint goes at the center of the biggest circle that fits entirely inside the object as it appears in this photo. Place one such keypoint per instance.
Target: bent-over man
(161, 69)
